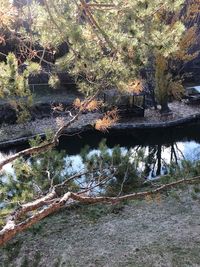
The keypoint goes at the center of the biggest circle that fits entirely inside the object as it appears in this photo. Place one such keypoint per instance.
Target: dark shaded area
(131, 138)
(8, 114)
(73, 143)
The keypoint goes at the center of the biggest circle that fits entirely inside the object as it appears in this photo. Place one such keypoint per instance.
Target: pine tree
(111, 42)
(14, 85)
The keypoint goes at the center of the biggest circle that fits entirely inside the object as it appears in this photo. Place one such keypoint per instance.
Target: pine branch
(12, 227)
(94, 23)
(46, 146)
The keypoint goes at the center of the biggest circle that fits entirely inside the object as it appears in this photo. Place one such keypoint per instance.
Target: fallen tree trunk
(12, 227)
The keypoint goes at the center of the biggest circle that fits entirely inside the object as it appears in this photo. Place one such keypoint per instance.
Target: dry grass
(93, 105)
(138, 234)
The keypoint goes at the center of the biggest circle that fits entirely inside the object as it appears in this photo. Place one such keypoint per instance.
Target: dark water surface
(132, 138)
(164, 145)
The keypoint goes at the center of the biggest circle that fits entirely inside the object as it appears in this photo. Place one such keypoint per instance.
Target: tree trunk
(14, 225)
(159, 159)
(165, 110)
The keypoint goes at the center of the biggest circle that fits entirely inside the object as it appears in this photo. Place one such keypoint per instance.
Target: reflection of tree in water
(159, 157)
(126, 169)
(135, 165)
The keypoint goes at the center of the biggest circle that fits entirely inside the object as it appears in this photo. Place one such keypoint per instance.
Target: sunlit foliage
(110, 42)
(110, 118)
(14, 85)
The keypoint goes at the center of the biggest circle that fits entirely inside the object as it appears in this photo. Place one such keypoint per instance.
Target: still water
(160, 147)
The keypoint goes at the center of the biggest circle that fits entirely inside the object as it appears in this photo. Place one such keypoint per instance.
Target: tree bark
(165, 110)
(14, 227)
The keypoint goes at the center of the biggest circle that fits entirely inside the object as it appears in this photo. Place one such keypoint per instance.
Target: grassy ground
(164, 232)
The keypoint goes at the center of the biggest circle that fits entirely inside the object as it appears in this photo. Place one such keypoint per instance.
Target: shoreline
(19, 134)
(118, 127)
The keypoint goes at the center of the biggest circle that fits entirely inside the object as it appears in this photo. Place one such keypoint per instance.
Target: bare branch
(12, 227)
(93, 200)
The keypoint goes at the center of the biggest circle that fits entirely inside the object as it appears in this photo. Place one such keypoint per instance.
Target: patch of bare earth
(139, 234)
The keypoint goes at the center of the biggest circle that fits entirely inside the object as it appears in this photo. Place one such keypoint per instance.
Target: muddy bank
(164, 232)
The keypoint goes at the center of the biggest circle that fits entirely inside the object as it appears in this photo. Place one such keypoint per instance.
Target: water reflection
(156, 160)
(191, 150)
(126, 167)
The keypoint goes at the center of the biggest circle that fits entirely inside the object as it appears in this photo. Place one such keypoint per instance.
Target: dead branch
(12, 227)
(33, 205)
(113, 200)
(29, 151)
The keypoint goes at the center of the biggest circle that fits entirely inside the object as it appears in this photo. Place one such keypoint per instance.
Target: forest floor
(143, 233)
(152, 116)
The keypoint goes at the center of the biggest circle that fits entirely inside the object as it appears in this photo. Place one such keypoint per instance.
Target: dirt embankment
(165, 232)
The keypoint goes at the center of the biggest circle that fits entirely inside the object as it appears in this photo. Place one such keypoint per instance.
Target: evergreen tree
(14, 85)
(111, 42)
